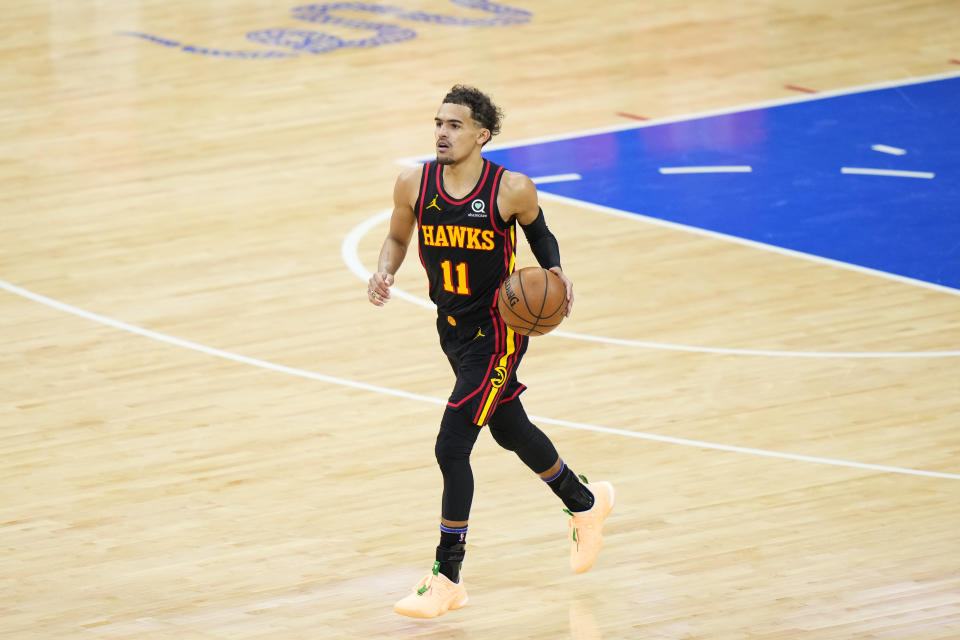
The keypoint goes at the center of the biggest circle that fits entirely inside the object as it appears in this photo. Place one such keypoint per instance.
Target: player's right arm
(403, 223)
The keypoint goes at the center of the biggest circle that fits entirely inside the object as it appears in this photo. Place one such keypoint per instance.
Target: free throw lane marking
(894, 151)
(890, 173)
(562, 177)
(707, 169)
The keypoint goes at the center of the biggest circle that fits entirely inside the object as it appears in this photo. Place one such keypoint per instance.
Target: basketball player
(465, 209)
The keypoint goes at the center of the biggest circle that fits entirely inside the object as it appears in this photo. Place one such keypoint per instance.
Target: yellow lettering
(473, 238)
(456, 234)
(427, 234)
(441, 238)
(487, 240)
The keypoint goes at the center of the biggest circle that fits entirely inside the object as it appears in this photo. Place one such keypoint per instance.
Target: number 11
(463, 288)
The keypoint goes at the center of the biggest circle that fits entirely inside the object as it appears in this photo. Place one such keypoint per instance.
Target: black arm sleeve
(542, 242)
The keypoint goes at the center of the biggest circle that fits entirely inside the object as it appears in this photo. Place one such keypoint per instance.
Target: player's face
(456, 133)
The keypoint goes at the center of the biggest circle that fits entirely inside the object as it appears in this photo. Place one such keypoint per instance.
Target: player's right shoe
(433, 596)
(586, 527)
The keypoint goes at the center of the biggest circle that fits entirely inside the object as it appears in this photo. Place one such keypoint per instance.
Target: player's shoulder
(410, 175)
(408, 184)
(517, 191)
(516, 181)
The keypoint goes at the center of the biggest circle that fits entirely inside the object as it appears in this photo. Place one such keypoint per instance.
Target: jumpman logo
(434, 204)
(480, 334)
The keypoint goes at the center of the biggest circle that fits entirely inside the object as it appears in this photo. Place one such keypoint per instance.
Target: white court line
(186, 344)
(563, 177)
(349, 254)
(219, 353)
(758, 352)
(894, 151)
(706, 169)
(629, 215)
(887, 172)
(747, 450)
(764, 104)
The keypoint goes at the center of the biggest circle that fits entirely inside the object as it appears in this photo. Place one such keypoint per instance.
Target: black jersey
(465, 247)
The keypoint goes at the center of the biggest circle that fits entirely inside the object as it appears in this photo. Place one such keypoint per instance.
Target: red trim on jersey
(498, 351)
(493, 303)
(508, 252)
(495, 220)
(498, 325)
(486, 377)
(510, 367)
(457, 405)
(443, 194)
(522, 388)
(424, 176)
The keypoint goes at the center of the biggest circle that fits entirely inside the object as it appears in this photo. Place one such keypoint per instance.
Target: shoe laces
(573, 529)
(427, 582)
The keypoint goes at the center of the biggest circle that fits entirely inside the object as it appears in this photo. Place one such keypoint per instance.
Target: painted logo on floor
(292, 43)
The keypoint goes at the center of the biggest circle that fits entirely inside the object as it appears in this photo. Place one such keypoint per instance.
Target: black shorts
(484, 354)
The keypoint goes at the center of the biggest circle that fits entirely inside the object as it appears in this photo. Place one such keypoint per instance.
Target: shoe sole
(419, 614)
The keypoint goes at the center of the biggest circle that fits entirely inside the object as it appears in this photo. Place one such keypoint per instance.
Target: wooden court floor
(208, 433)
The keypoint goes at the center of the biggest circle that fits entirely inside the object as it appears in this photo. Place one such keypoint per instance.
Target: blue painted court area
(795, 195)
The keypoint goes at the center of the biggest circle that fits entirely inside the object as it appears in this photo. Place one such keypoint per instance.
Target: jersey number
(463, 288)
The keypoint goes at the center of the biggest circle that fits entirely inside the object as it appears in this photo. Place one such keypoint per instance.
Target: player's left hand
(568, 285)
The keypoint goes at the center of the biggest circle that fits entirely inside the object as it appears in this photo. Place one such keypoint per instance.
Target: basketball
(532, 301)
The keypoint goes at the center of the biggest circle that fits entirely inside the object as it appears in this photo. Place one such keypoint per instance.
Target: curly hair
(481, 106)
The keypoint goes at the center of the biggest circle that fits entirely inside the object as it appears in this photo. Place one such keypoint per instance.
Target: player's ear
(484, 137)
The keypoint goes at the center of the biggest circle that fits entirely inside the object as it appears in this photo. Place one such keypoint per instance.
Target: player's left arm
(518, 199)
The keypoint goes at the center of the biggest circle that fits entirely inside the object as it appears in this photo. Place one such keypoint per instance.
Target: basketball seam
(562, 305)
(523, 294)
(546, 290)
(518, 316)
(547, 325)
(537, 323)
(520, 320)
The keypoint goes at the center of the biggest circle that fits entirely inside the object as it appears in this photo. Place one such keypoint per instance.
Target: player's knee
(455, 440)
(512, 430)
(510, 437)
(450, 449)
(510, 426)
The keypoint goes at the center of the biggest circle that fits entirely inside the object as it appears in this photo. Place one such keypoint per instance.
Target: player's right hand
(378, 288)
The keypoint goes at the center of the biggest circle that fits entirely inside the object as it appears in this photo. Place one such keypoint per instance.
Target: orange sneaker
(586, 527)
(433, 596)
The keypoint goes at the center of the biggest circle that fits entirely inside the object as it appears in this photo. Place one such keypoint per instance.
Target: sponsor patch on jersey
(478, 209)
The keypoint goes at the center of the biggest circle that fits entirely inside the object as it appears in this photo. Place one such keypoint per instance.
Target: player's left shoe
(586, 527)
(433, 596)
